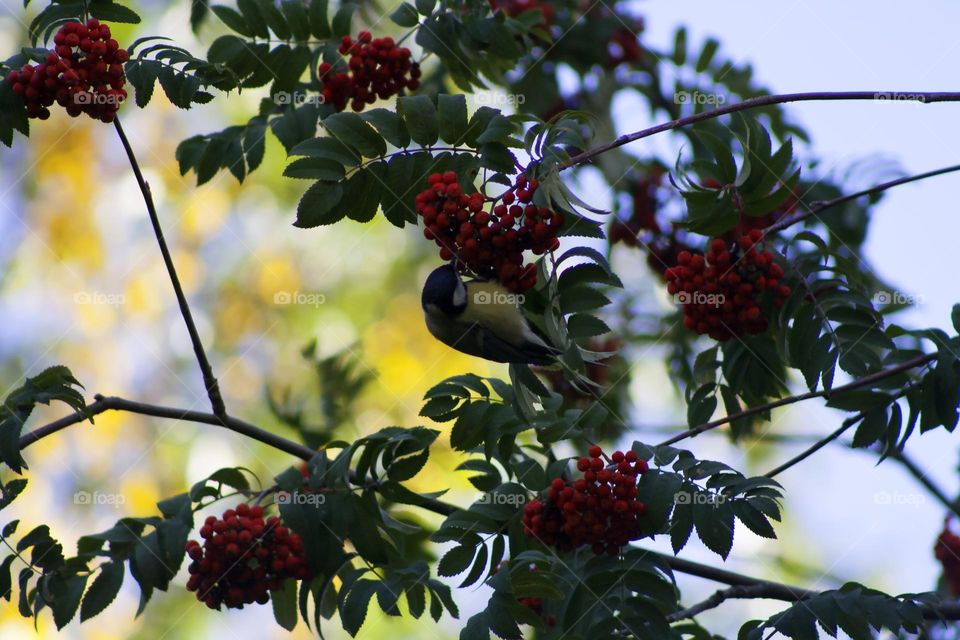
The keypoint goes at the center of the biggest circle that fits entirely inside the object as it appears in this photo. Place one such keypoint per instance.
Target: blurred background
(82, 284)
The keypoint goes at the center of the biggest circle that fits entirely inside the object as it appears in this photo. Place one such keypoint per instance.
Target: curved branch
(760, 408)
(823, 205)
(102, 404)
(763, 101)
(745, 586)
(209, 381)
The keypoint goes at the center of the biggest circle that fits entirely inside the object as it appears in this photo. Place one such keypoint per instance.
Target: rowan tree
(757, 250)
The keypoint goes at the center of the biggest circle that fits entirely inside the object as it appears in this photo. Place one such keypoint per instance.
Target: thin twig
(763, 101)
(818, 207)
(760, 408)
(209, 381)
(816, 446)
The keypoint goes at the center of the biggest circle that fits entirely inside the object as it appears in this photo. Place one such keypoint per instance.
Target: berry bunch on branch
(489, 241)
(83, 74)
(243, 558)
(378, 68)
(599, 509)
(723, 291)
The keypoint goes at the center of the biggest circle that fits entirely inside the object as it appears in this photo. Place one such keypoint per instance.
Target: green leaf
(406, 15)
(319, 25)
(714, 523)
(390, 126)
(452, 114)
(353, 131)
(315, 169)
(456, 560)
(353, 607)
(232, 19)
(284, 602)
(65, 604)
(319, 205)
(113, 12)
(420, 114)
(680, 47)
(103, 590)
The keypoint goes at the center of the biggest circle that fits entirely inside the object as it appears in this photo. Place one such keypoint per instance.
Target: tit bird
(481, 319)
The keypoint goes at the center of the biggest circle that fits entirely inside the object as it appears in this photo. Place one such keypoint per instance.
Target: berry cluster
(947, 551)
(536, 605)
(513, 8)
(599, 509)
(84, 74)
(378, 68)
(489, 243)
(721, 291)
(243, 557)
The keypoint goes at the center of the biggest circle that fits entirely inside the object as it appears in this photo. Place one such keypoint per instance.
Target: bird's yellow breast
(491, 305)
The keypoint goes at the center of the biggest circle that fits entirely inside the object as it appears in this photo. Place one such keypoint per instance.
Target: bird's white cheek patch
(460, 295)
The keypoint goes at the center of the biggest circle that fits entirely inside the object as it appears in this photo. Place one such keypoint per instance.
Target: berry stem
(209, 381)
(762, 101)
(760, 408)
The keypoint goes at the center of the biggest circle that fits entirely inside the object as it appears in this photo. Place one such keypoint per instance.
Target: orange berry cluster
(489, 243)
(243, 558)
(378, 68)
(947, 551)
(720, 292)
(84, 74)
(600, 509)
(514, 8)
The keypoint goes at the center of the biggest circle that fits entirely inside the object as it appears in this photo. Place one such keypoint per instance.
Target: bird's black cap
(440, 288)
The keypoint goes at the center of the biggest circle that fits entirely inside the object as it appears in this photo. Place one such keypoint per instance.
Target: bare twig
(823, 205)
(209, 381)
(762, 101)
(760, 408)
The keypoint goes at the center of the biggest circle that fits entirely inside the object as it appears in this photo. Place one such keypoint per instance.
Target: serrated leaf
(319, 205)
(103, 590)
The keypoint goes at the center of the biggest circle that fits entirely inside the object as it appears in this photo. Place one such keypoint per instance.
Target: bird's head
(444, 292)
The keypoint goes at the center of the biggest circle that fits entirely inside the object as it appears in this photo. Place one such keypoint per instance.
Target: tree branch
(743, 586)
(823, 205)
(760, 408)
(763, 101)
(816, 446)
(209, 381)
(102, 404)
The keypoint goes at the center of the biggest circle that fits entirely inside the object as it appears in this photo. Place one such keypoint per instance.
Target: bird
(481, 318)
